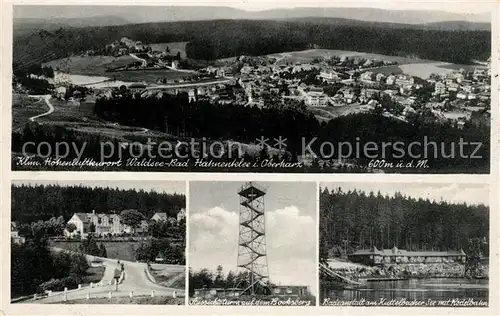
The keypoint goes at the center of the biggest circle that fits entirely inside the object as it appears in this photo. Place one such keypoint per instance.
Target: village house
(346, 96)
(367, 94)
(404, 80)
(439, 88)
(462, 95)
(14, 235)
(390, 80)
(163, 217)
(329, 76)
(366, 76)
(60, 92)
(367, 63)
(110, 224)
(181, 215)
(375, 256)
(316, 97)
(380, 77)
(452, 86)
(391, 92)
(479, 73)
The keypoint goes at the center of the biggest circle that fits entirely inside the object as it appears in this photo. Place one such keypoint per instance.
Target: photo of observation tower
(251, 243)
(252, 256)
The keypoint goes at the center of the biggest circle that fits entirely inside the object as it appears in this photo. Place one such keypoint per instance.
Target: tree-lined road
(136, 281)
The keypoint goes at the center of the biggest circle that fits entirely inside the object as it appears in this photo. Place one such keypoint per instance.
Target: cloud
(452, 193)
(213, 239)
(290, 238)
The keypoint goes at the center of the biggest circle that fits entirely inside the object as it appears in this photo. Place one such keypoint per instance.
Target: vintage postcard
(337, 89)
(228, 157)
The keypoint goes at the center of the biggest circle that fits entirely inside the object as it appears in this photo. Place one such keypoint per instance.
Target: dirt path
(46, 98)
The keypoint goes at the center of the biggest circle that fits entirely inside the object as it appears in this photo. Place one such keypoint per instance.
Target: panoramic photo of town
(251, 244)
(98, 242)
(222, 89)
(401, 244)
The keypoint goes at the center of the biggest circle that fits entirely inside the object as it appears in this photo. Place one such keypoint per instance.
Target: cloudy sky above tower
(291, 232)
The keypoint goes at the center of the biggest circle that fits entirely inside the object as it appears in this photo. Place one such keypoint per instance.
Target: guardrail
(150, 275)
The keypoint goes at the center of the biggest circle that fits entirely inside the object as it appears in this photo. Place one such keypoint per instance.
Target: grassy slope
(115, 250)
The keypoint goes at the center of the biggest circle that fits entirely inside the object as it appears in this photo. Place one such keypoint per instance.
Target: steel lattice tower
(252, 255)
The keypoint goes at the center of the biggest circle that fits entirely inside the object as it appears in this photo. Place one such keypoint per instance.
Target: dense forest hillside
(356, 220)
(175, 114)
(32, 203)
(209, 40)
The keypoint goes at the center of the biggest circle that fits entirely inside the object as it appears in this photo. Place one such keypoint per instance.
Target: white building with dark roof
(376, 256)
(14, 234)
(99, 223)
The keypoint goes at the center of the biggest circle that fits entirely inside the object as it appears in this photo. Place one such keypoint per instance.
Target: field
(23, 108)
(458, 67)
(424, 70)
(78, 67)
(308, 55)
(149, 76)
(390, 70)
(410, 65)
(115, 250)
(89, 65)
(175, 47)
(65, 111)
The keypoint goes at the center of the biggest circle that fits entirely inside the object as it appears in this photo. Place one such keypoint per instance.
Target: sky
(291, 229)
(258, 5)
(459, 193)
(158, 186)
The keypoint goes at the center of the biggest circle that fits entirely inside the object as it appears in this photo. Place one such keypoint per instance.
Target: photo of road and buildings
(402, 244)
(252, 243)
(98, 242)
(192, 89)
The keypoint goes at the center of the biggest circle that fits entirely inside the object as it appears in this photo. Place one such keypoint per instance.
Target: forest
(36, 268)
(31, 203)
(210, 40)
(357, 220)
(180, 118)
(174, 114)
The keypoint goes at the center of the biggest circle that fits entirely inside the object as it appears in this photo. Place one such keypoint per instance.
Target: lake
(439, 289)
(96, 82)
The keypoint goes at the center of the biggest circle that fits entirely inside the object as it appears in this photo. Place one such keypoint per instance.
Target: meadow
(115, 250)
(174, 48)
(149, 76)
(89, 65)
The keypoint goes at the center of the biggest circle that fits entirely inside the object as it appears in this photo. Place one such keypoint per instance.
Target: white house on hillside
(14, 234)
(102, 223)
(181, 215)
(163, 217)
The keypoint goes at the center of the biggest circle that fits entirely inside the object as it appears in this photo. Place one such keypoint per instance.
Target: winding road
(46, 98)
(136, 281)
